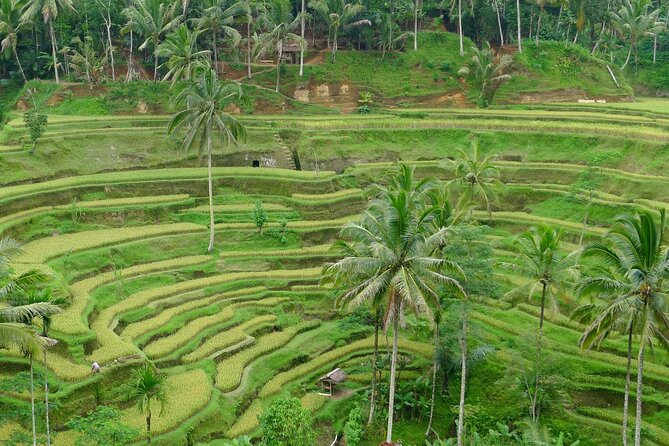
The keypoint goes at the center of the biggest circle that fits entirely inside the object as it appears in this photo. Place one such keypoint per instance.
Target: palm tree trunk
(46, 401)
(520, 37)
(53, 50)
(128, 75)
(215, 45)
(463, 378)
(415, 25)
(278, 65)
(462, 47)
(434, 380)
(18, 62)
(543, 305)
(639, 390)
(541, 13)
(301, 44)
(211, 197)
(372, 401)
(393, 367)
(148, 429)
(537, 368)
(32, 400)
(499, 25)
(248, 48)
(155, 67)
(629, 54)
(627, 386)
(655, 49)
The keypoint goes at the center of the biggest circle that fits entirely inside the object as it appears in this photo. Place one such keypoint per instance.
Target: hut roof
(336, 376)
(291, 48)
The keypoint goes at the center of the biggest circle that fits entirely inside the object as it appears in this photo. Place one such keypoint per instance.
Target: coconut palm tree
(631, 274)
(393, 263)
(280, 24)
(203, 117)
(339, 15)
(48, 10)
(634, 20)
(147, 389)
(10, 27)
(489, 73)
(218, 17)
(475, 177)
(520, 37)
(154, 19)
(183, 57)
(539, 259)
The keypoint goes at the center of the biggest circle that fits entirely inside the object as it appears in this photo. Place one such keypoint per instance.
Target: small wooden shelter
(332, 379)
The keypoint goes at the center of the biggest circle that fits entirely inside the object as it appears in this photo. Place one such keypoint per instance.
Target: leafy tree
(203, 118)
(339, 15)
(183, 58)
(280, 24)
(219, 17)
(391, 261)
(633, 21)
(102, 427)
(354, 429)
(10, 26)
(489, 73)
(48, 10)
(36, 121)
(630, 273)
(287, 423)
(146, 389)
(259, 216)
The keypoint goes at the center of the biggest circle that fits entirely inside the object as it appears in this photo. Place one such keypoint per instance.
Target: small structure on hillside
(331, 380)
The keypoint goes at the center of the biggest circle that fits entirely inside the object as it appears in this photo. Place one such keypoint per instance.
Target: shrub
(354, 427)
(259, 216)
(287, 423)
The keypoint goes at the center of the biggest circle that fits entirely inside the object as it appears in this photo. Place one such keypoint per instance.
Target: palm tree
(476, 177)
(203, 117)
(218, 17)
(183, 57)
(495, 4)
(520, 37)
(489, 73)
(393, 265)
(338, 15)
(635, 20)
(280, 26)
(49, 10)
(147, 388)
(539, 259)
(10, 27)
(631, 272)
(435, 367)
(154, 20)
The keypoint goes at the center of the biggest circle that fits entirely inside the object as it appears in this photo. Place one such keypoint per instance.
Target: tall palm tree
(280, 24)
(632, 273)
(147, 389)
(475, 176)
(203, 117)
(154, 19)
(435, 367)
(394, 264)
(218, 17)
(540, 260)
(49, 10)
(520, 36)
(183, 57)
(10, 27)
(339, 15)
(634, 20)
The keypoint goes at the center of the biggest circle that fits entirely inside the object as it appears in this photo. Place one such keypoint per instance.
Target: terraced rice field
(249, 323)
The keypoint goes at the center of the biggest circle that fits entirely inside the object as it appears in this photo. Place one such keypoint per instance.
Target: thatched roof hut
(332, 379)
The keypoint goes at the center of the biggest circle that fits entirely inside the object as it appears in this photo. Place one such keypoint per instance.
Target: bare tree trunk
(462, 48)
(278, 65)
(415, 25)
(629, 54)
(434, 379)
(627, 386)
(393, 367)
(372, 401)
(211, 197)
(18, 62)
(248, 48)
(128, 75)
(655, 49)
(537, 365)
(215, 45)
(53, 50)
(108, 25)
(541, 13)
(148, 429)
(520, 37)
(639, 391)
(32, 400)
(46, 401)
(499, 24)
(155, 67)
(302, 43)
(463, 378)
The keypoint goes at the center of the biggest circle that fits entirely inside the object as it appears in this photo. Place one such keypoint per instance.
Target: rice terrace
(334, 222)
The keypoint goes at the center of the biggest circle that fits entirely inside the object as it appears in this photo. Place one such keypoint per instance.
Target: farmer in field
(95, 367)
